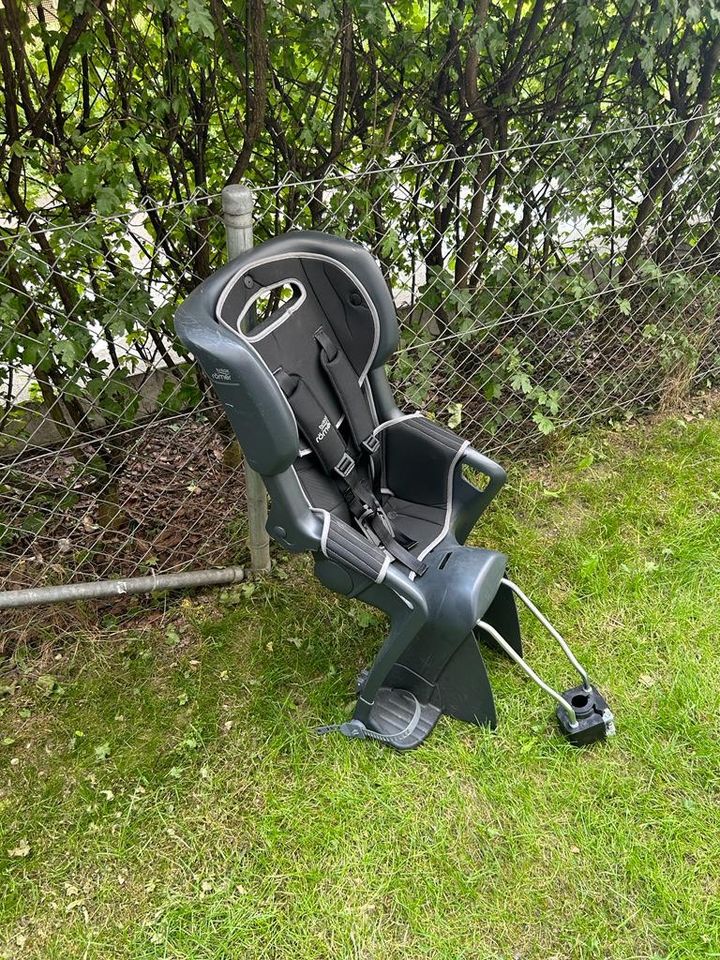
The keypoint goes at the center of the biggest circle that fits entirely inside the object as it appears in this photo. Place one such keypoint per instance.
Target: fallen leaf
(21, 850)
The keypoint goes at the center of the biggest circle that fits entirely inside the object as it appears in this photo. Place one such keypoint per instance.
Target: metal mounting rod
(97, 590)
(498, 637)
(551, 630)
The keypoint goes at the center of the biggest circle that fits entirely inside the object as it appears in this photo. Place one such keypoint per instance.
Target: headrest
(283, 290)
(260, 313)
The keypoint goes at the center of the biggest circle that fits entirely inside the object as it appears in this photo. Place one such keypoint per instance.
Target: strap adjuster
(371, 444)
(345, 466)
(326, 344)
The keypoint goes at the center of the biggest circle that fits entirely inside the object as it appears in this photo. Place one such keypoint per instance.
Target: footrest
(400, 720)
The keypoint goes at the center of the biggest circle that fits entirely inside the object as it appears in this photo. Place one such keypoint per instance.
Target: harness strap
(380, 526)
(354, 404)
(330, 448)
(318, 429)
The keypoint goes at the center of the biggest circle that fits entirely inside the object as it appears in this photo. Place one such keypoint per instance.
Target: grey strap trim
(464, 444)
(391, 423)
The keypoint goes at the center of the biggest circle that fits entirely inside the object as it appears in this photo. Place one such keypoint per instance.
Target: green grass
(176, 804)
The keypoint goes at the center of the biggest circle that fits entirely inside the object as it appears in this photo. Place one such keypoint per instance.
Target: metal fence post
(237, 204)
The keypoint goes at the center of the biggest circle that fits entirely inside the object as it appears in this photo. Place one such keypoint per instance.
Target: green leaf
(199, 19)
(492, 390)
(46, 684)
(647, 59)
(107, 201)
(80, 183)
(544, 424)
(66, 352)
(521, 381)
(589, 565)
(552, 401)
(455, 418)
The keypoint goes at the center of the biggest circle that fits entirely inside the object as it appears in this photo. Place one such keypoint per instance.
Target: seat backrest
(278, 298)
(259, 316)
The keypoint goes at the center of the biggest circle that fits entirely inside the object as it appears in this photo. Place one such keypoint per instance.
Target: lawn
(162, 793)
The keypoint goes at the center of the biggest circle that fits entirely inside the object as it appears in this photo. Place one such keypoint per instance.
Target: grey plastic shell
(430, 642)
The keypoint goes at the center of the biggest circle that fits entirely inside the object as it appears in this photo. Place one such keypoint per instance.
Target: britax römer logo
(323, 428)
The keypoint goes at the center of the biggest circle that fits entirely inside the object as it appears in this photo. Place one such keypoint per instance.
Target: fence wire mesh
(540, 288)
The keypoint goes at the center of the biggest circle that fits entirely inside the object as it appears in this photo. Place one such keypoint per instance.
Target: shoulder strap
(349, 393)
(315, 423)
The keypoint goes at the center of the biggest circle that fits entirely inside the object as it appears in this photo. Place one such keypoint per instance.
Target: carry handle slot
(269, 307)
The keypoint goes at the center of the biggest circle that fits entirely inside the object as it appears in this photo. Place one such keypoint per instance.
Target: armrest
(469, 503)
(493, 471)
(345, 545)
(422, 456)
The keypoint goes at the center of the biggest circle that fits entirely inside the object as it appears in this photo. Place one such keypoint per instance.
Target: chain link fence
(540, 288)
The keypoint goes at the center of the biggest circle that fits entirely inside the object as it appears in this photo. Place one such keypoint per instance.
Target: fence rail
(540, 288)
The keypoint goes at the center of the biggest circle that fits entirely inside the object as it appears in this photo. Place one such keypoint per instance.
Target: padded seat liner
(320, 489)
(416, 520)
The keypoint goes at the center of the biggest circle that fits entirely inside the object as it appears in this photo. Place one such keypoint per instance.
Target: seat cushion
(418, 521)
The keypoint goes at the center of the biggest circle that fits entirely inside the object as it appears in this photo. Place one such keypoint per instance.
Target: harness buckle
(345, 466)
(371, 444)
